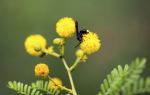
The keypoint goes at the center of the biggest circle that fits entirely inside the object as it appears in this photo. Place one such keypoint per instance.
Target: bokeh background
(123, 26)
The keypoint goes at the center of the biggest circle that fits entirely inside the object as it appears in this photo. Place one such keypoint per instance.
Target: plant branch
(52, 53)
(70, 77)
(75, 64)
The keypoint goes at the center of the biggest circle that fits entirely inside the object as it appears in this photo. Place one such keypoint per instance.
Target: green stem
(75, 64)
(70, 76)
(52, 54)
(62, 50)
(55, 54)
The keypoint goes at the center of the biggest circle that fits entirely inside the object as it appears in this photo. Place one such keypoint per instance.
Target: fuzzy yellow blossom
(65, 27)
(90, 43)
(55, 83)
(59, 41)
(34, 44)
(79, 53)
(41, 70)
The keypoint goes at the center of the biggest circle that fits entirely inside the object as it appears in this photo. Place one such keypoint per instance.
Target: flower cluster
(90, 43)
(65, 27)
(36, 45)
(41, 69)
(55, 83)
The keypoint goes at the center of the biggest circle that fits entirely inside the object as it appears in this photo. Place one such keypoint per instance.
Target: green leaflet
(113, 82)
(121, 78)
(23, 88)
(34, 89)
(43, 86)
(139, 86)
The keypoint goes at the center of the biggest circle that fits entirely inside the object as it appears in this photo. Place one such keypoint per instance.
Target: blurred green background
(123, 26)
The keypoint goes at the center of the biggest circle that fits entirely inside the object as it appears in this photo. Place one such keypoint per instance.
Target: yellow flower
(65, 27)
(90, 43)
(79, 53)
(34, 44)
(41, 70)
(58, 41)
(55, 83)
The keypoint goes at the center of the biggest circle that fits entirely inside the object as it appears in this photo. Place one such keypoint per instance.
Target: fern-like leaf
(43, 86)
(111, 85)
(23, 88)
(135, 69)
(139, 86)
(121, 77)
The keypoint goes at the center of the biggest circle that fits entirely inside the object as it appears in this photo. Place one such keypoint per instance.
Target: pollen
(65, 27)
(34, 44)
(55, 83)
(90, 43)
(41, 70)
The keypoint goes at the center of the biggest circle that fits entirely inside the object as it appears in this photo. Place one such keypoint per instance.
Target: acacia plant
(121, 81)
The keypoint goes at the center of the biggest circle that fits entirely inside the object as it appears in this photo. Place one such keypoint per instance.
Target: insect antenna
(77, 33)
(77, 29)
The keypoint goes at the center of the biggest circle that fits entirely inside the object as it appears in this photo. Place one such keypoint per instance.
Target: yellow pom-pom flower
(34, 44)
(55, 83)
(59, 41)
(65, 27)
(41, 70)
(90, 43)
(79, 53)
